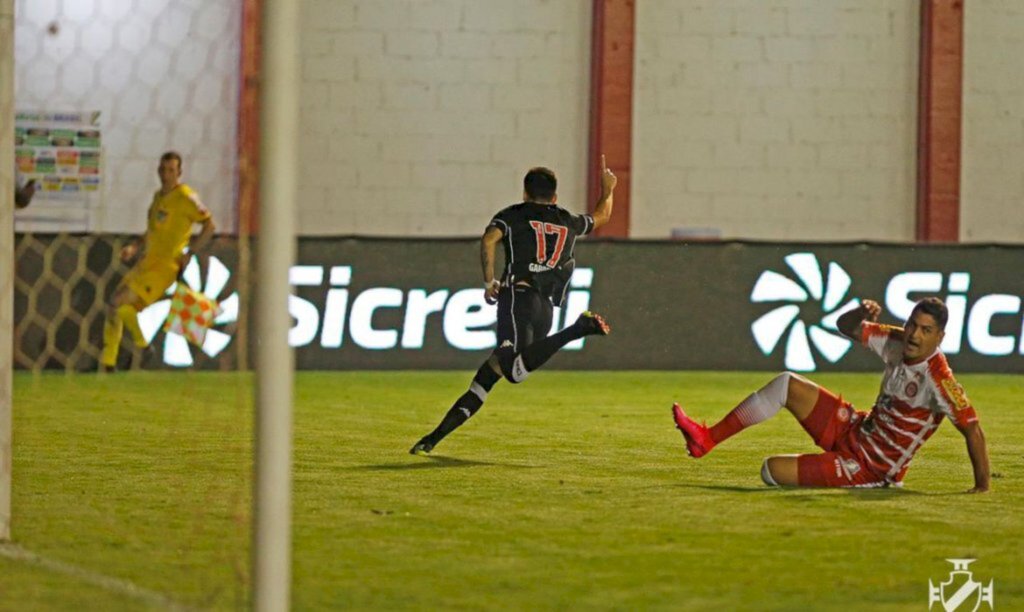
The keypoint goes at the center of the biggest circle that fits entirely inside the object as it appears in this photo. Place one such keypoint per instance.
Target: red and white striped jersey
(912, 401)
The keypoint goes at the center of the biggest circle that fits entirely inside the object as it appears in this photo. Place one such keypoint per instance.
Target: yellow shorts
(150, 279)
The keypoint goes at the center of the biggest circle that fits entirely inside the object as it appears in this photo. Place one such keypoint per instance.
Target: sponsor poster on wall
(62, 153)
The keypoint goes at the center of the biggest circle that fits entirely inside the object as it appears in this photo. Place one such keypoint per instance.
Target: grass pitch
(570, 491)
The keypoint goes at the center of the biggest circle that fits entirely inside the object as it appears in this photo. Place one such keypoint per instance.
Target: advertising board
(362, 303)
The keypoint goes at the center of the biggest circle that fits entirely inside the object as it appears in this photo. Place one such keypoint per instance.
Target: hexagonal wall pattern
(164, 75)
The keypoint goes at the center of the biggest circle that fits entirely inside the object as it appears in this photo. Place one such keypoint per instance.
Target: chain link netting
(63, 283)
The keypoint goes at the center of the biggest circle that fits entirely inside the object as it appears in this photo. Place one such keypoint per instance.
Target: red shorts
(830, 424)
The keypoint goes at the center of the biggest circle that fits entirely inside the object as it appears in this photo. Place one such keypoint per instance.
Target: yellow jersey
(169, 227)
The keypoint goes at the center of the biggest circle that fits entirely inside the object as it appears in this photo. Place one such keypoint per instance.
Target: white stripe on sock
(766, 402)
(476, 389)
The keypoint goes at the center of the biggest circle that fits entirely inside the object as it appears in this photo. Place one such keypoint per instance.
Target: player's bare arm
(978, 452)
(488, 246)
(849, 322)
(603, 209)
(199, 244)
(205, 235)
(23, 196)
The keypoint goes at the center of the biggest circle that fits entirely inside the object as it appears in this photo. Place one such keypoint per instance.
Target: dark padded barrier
(364, 303)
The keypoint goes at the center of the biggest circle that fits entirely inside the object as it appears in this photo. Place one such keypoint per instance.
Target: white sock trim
(766, 402)
(766, 475)
(478, 391)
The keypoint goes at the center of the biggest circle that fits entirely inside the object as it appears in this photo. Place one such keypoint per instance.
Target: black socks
(538, 353)
(467, 404)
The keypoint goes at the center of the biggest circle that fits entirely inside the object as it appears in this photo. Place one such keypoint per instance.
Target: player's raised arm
(849, 322)
(603, 209)
(488, 245)
(977, 450)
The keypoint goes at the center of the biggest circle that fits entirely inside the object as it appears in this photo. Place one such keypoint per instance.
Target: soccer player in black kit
(539, 238)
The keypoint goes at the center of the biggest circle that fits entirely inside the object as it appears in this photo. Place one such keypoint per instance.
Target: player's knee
(513, 369)
(799, 390)
(119, 300)
(787, 380)
(766, 473)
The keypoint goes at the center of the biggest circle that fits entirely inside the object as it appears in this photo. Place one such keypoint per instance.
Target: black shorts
(523, 316)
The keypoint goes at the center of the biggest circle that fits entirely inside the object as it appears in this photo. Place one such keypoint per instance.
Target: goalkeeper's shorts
(149, 279)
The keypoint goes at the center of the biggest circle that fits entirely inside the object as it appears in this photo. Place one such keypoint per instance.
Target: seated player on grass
(861, 449)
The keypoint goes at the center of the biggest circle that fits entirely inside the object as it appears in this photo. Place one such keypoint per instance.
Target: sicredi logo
(967, 319)
(466, 320)
(810, 287)
(819, 296)
(175, 350)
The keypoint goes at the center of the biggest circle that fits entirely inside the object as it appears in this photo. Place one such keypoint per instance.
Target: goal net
(64, 282)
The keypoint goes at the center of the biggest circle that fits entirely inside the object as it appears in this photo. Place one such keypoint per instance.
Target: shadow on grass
(726, 488)
(432, 462)
(894, 492)
(880, 494)
(807, 494)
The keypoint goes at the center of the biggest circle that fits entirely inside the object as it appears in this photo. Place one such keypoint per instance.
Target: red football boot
(698, 437)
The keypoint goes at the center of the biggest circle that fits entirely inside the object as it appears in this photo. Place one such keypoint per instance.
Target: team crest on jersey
(161, 215)
(955, 392)
(843, 413)
(911, 389)
(846, 468)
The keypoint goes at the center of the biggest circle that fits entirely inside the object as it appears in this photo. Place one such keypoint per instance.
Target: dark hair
(168, 156)
(933, 306)
(540, 184)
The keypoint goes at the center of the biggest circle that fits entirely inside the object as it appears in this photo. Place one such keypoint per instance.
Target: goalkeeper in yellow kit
(175, 209)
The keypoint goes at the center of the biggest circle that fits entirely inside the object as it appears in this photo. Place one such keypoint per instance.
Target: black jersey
(539, 241)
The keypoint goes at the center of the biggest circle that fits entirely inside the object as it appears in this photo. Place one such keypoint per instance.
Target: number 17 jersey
(539, 242)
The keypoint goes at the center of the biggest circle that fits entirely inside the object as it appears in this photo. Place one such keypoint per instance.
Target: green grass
(571, 491)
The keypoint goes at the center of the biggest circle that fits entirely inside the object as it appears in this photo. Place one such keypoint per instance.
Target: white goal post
(6, 259)
(275, 362)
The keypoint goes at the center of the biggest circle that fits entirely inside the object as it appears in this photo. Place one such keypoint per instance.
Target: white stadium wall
(776, 119)
(992, 185)
(162, 74)
(759, 119)
(420, 118)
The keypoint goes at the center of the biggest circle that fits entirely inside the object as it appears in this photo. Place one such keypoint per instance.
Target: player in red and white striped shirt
(862, 449)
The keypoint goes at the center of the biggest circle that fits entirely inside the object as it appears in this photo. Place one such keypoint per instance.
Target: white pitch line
(117, 585)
